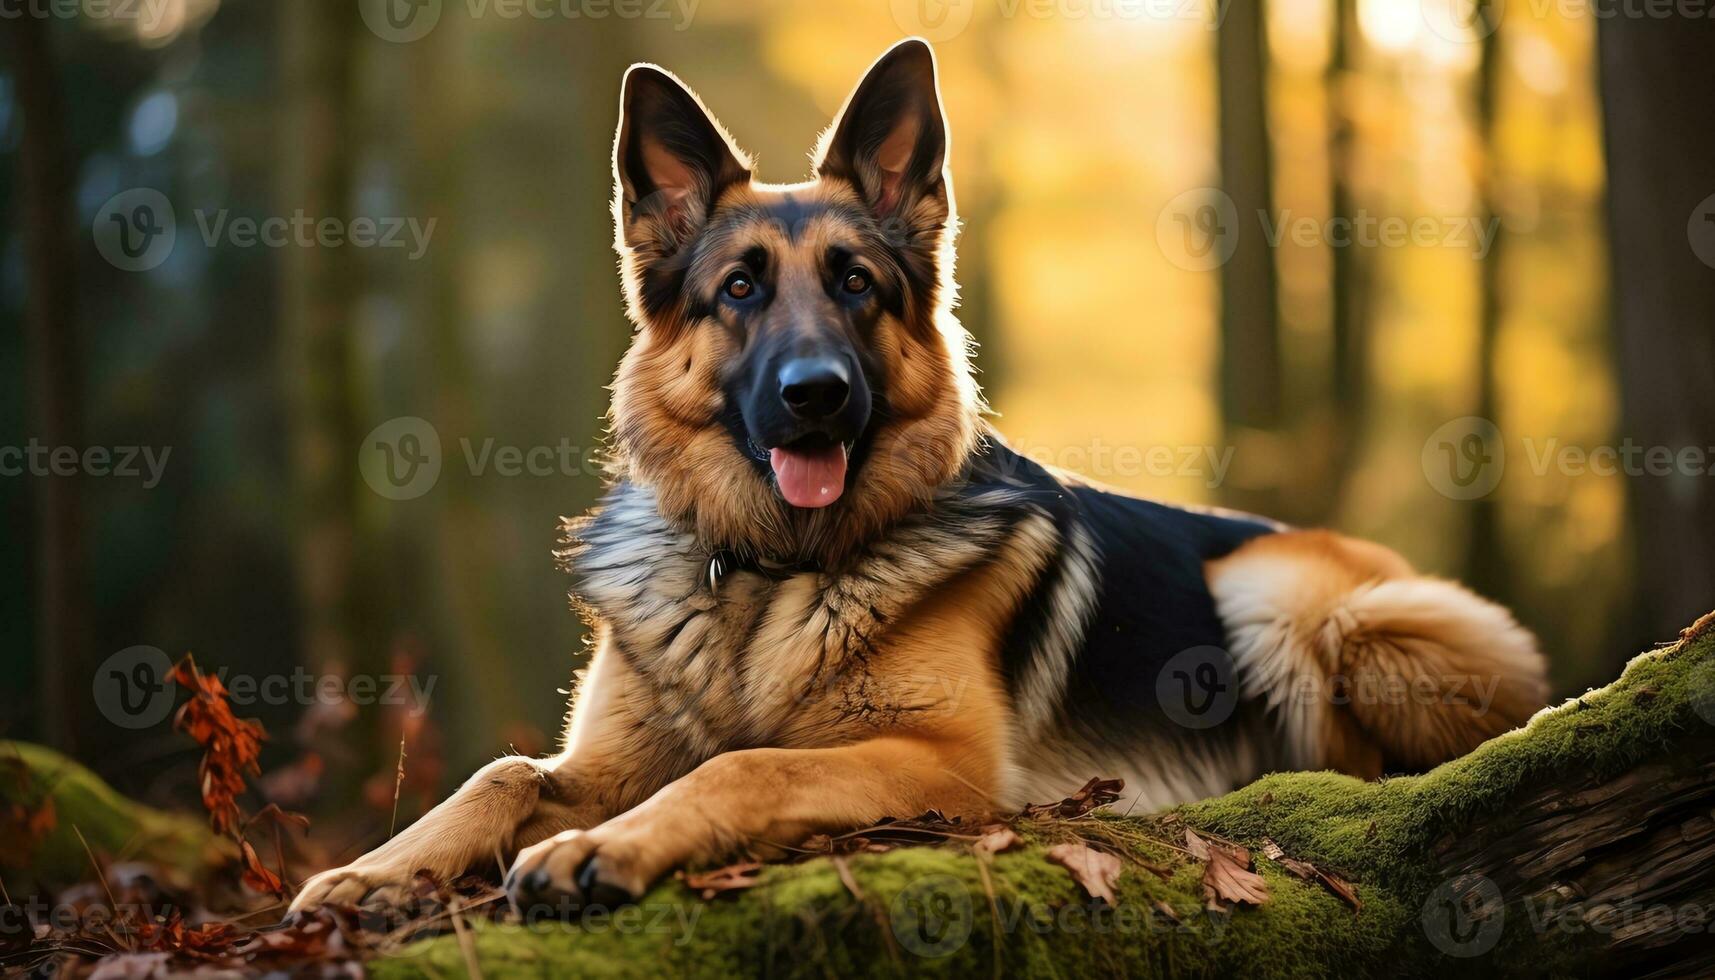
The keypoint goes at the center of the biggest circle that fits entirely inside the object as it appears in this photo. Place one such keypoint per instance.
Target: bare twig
(467, 943)
(398, 783)
(112, 902)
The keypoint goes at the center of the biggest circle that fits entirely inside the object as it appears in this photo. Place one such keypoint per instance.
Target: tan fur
(1361, 660)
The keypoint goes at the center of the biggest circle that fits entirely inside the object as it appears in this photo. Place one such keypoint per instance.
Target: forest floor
(1581, 844)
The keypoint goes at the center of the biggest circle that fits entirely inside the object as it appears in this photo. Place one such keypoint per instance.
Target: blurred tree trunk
(55, 376)
(318, 292)
(1486, 568)
(1250, 321)
(461, 564)
(1660, 143)
(1349, 288)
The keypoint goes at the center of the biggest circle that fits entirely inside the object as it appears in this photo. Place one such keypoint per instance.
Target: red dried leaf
(256, 874)
(231, 746)
(208, 941)
(1095, 871)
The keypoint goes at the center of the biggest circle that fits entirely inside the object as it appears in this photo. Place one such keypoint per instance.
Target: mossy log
(80, 802)
(1580, 845)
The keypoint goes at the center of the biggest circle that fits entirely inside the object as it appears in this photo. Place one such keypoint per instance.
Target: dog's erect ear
(670, 160)
(890, 139)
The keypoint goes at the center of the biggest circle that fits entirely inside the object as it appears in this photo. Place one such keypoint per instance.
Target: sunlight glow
(1391, 25)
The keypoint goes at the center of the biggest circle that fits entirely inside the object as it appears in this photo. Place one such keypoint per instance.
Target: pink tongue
(810, 477)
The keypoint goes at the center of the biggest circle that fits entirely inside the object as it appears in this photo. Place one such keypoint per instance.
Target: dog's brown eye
(857, 281)
(739, 286)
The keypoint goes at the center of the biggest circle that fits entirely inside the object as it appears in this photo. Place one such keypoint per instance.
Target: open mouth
(811, 471)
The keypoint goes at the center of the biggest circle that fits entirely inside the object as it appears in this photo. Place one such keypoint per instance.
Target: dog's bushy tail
(1366, 666)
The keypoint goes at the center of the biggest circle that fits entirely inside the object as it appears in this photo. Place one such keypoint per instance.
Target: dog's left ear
(890, 139)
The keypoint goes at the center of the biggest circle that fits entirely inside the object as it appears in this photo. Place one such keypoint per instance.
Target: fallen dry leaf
(930, 828)
(1196, 845)
(1273, 851)
(1308, 871)
(1165, 911)
(208, 941)
(1095, 871)
(1228, 878)
(995, 839)
(1341, 888)
(1096, 793)
(733, 877)
(256, 874)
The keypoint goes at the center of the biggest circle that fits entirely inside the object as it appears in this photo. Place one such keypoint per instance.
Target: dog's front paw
(608, 866)
(369, 884)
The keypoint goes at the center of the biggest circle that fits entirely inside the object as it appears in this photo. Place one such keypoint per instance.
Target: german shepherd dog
(823, 591)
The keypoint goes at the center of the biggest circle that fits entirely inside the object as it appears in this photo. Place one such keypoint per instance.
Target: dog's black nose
(815, 387)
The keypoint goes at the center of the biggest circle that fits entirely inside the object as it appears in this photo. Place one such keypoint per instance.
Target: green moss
(928, 911)
(113, 825)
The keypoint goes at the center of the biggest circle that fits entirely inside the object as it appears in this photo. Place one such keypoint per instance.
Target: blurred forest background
(1087, 142)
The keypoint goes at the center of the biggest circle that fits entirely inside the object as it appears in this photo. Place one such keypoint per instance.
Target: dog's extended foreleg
(514, 802)
(474, 825)
(753, 797)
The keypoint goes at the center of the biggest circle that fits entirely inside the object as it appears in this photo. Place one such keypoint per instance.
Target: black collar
(725, 561)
